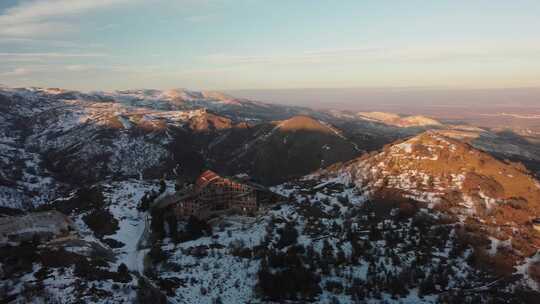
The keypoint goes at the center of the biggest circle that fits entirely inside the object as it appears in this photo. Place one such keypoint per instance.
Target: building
(213, 194)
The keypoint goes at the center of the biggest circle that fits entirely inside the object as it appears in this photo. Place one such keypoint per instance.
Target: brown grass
(484, 173)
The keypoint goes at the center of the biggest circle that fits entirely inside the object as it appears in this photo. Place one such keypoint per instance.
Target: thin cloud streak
(17, 72)
(425, 54)
(53, 55)
(47, 58)
(33, 42)
(44, 17)
(28, 12)
(35, 29)
(27, 70)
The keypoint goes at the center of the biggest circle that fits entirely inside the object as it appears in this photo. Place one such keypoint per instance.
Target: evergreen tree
(327, 253)
(288, 235)
(162, 186)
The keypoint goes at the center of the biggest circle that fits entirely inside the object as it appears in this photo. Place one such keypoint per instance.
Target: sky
(261, 44)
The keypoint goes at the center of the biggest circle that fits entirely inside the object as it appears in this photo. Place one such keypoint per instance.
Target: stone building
(213, 194)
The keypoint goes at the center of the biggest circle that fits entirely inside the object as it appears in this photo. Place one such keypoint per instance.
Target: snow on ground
(220, 274)
(406, 146)
(217, 275)
(125, 122)
(121, 200)
(524, 269)
(497, 244)
(124, 198)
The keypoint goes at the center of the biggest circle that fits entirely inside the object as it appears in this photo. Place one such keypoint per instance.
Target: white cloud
(46, 17)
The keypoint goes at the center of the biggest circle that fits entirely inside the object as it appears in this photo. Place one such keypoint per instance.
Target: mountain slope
(277, 151)
(433, 168)
(424, 220)
(495, 201)
(55, 140)
(378, 229)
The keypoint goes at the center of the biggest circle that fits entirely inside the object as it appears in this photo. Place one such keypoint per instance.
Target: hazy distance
(485, 107)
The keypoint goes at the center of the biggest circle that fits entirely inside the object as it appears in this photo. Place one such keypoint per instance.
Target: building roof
(205, 178)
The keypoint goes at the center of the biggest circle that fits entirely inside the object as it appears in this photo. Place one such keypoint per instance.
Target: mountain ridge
(423, 219)
(434, 155)
(398, 120)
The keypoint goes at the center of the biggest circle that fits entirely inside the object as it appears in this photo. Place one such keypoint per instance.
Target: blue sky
(256, 44)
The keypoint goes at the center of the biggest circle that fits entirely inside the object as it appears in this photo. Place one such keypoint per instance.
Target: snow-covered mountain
(371, 211)
(52, 139)
(432, 168)
(280, 150)
(55, 140)
(425, 220)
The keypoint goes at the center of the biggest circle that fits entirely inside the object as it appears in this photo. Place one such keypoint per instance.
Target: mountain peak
(305, 123)
(446, 172)
(431, 140)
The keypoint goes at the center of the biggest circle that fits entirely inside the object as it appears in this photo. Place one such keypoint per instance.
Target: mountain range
(376, 206)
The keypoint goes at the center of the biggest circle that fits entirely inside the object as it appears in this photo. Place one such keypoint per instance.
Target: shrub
(101, 222)
(157, 255)
(289, 283)
(147, 294)
(122, 269)
(334, 287)
(195, 228)
(162, 186)
(288, 235)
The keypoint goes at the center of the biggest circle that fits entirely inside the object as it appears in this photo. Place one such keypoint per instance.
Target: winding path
(137, 257)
